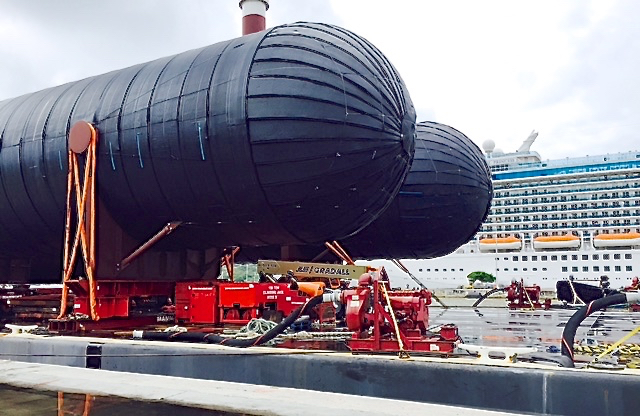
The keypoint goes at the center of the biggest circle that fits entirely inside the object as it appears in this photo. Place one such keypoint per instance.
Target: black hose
(232, 342)
(569, 333)
(486, 295)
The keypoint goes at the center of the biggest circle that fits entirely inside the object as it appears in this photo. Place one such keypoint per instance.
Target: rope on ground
(626, 354)
(617, 344)
(255, 327)
(175, 328)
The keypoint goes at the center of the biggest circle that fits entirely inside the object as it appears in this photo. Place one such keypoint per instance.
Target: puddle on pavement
(28, 402)
(502, 327)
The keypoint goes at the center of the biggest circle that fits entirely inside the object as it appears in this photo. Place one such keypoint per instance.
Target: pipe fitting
(633, 297)
(334, 297)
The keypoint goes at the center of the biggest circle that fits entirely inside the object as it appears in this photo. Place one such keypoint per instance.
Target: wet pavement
(27, 402)
(504, 327)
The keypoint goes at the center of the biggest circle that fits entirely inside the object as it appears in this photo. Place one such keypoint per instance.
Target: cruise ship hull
(549, 221)
(452, 271)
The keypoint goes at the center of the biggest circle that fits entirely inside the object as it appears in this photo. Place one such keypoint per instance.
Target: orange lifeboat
(556, 241)
(617, 240)
(505, 243)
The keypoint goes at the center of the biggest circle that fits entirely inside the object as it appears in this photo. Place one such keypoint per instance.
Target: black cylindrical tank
(441, 205)
(294, 135)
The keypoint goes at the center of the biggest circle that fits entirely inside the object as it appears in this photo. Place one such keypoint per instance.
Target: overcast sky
(492, 69)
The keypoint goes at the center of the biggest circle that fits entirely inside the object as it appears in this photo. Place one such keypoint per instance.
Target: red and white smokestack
(253, 15)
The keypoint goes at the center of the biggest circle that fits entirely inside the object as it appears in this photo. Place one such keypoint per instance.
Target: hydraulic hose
(486, 295)
(569, 333)
(232, 342)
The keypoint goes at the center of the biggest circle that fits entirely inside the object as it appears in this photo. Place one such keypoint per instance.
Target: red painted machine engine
(386, 320)
(410, 308)
(525, 297)
(234, 303)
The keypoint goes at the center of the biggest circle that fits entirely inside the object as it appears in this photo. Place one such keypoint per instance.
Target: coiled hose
(232, 342)
(569, 333)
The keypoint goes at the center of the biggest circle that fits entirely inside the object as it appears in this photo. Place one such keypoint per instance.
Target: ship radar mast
(525, 147)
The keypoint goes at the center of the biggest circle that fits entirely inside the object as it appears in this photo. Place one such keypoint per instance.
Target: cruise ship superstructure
(549, 220)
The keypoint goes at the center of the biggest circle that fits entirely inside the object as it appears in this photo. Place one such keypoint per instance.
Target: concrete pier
(521, 388)
(231, 398)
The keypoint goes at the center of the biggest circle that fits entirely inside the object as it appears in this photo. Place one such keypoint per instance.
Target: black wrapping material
(441, 205)
(294, 135)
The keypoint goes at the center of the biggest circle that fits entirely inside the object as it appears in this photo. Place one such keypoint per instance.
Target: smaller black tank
(442, 203)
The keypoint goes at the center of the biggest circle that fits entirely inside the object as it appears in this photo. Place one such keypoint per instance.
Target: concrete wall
(546, 391)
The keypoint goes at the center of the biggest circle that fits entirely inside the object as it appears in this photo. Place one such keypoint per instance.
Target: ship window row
(545, 229)
(581, 179)
(584, 184)
(585, 269)
(544, 225)
(584, 219)
(535, 204)
(444, 270)
(537, 216)
(577, 198)
(534, 269)
(516, 217)
(565, 257)
(600, 193)
(584, 209)
(584, 223)
(560, 186)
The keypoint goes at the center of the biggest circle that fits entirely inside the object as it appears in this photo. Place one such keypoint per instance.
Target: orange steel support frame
(339, 251)
(228, 260)
(85, 236)
(78, 407)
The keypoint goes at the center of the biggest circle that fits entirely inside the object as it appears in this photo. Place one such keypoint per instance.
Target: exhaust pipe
(253, 15)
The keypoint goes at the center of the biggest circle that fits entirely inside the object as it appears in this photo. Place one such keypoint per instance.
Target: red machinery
(634, 287)
(119, 304)
(213, 302)
(234, 303)
(525, 297)
(385, 320)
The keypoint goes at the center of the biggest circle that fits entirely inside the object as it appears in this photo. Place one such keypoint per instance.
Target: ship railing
(584, 186)
(592, 211)
(564, 228)
(515, 199)
(564, 183)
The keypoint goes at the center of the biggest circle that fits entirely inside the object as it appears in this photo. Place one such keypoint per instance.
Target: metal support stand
(165, 231)
(228, 260)
(82, 137)
(339, 251)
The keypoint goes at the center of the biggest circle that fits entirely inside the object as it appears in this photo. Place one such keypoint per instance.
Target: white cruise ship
(549, 220)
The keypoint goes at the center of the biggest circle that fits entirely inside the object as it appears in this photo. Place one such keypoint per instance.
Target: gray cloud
(65, 41)
(459, 67)
(602, 75)
(46, 43)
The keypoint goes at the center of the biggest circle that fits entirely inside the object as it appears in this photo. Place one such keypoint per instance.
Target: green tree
(481, 276)
(242, 272)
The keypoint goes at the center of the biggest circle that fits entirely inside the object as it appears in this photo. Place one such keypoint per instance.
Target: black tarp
(442, 203)
(295, 135)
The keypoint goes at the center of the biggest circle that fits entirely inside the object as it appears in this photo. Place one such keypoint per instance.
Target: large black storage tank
(442, 203)
(294, 135)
